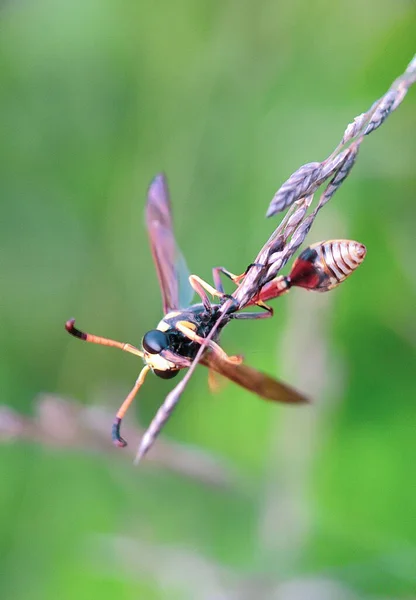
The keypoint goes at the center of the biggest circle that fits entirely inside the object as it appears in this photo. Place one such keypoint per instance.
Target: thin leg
(115, 432)
(216, 276)
(217, 271)
(183, 328)
(94, 339)
(255, 315)
(196, 284)
(250, 315)
(201, 287)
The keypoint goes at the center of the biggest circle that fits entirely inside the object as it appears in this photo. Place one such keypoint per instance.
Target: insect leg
(216, 276)
(183, 327)
(94, 339)
(201, 287)
(115, 432)
(268, 312)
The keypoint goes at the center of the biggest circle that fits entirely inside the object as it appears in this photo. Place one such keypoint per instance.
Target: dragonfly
(188, 334)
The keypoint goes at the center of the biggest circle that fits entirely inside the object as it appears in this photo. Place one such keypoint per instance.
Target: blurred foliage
(228, 98)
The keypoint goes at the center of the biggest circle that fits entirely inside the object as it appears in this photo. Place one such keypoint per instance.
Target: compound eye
(155, 341)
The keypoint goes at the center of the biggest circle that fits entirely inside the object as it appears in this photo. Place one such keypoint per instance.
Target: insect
(189, 333)
(320, 267)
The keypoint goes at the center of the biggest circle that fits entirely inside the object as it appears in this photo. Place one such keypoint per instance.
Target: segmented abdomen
(338, 259)
(325, 265)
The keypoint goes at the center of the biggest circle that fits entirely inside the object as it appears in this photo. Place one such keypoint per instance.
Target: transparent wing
(186, 292)
(259, 383)
(170, 264)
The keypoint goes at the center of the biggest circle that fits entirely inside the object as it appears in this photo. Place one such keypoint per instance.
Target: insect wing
(186, 292)
(259, 383)
(170, 265)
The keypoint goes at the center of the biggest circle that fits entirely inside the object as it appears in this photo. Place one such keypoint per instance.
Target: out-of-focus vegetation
(228, 98)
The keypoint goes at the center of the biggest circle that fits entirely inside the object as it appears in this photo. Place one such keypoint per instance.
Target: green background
(228, 98)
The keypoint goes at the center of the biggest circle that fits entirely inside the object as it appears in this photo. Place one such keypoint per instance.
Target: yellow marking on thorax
(172, 314)
(163, 326)
(188, 325)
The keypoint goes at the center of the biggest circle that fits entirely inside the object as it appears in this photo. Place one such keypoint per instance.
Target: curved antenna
(95, 339)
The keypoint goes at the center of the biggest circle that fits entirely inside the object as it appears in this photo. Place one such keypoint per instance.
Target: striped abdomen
(325, 265)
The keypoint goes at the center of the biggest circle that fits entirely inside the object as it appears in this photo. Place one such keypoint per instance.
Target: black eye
(168, 374)
(155, 341)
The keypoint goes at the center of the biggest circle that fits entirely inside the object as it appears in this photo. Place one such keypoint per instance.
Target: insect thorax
(195, 318)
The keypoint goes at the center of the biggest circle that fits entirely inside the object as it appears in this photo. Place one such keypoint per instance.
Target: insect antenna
(95, 339)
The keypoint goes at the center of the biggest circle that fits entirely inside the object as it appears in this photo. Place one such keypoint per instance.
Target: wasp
(189, 333)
